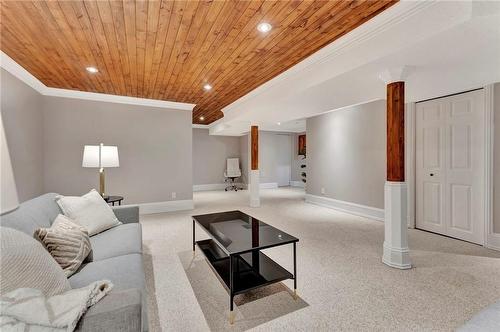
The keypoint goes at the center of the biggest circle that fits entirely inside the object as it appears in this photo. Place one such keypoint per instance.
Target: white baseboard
(167, 206)
(493, 241)
(268, 185)
(215, 186)
(298, 184)
(348, 207)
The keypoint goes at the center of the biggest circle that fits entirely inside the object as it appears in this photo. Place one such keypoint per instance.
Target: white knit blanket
(27, 309)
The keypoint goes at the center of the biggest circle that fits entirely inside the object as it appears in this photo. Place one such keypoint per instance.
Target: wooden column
(396, 132)
(254, 136)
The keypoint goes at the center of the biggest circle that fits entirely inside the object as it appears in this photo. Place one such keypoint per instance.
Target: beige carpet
(343, 285)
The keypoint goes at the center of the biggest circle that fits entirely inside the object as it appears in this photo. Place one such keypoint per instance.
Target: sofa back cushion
(39, 212)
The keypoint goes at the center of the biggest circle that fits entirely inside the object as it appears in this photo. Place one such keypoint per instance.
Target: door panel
(450, 156)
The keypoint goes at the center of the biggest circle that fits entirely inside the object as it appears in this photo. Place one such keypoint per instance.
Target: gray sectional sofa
(117, 256)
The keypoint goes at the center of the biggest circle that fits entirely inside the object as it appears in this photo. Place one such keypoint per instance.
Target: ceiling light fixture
(202, 118)
(264, 27)
(279, 123)
(92, 70)
(207, 87)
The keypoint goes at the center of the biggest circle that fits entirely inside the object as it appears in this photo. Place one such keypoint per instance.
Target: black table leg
(194, 241)
(231, 285)
(295, 270)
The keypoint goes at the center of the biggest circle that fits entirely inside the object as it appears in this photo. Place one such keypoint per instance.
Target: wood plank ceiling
(169, 50)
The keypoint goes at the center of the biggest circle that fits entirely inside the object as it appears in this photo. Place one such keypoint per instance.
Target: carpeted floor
(342, 284)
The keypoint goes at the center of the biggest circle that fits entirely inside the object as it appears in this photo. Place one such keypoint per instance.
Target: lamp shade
(8, 200)
(100, 156)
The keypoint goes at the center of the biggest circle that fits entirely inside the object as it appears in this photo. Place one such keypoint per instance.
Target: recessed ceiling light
(202, 118)
(207, 87)
(264, 27)
(279, 123)
(92, 70)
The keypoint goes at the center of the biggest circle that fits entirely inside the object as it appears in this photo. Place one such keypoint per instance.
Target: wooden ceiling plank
(197, 21)
(117, 12)
(163, 26)
(255, 43)
(49, 35)
(202, 38)
(130, 32)
(219, 29)
(11, 47)
(151, 36)
(297, 50)
(77, 15)
(141, 21)
(237, 31)
(340, 16)
(242, 43)
(33, 44)
(88, 16)
(182, 33)
(295, 31)
(108, 26)
(173, 28)
(73, 34)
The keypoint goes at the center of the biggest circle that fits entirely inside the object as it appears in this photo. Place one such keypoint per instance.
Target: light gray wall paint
(154, 146)
(23, 121)
(275, 156)
(496, 156)
(346, 154)
(296, 159)
(210, 154)
(245, 158)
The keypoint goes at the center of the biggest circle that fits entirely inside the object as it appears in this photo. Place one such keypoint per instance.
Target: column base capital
(398, 258)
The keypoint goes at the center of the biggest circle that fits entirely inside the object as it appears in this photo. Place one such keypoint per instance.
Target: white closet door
(450, 166)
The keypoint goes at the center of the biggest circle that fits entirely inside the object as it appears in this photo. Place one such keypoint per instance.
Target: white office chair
(232, 172)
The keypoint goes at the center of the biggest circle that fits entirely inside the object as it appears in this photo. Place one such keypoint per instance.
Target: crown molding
(376, 26)
(22, 74)
(200, 126)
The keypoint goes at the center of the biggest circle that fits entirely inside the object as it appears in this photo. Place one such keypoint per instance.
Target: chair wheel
(225, 189)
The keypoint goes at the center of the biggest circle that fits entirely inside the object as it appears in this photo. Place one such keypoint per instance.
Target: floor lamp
(100, 156)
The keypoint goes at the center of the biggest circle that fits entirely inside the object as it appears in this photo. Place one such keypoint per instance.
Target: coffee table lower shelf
(251, 270)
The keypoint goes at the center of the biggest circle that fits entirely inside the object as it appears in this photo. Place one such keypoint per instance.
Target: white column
(254, 188)
(396, 251)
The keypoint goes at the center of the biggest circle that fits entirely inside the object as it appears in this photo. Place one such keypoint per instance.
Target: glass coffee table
(234, 252)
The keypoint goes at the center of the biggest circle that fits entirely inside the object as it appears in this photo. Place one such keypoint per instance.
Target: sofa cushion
(120, 240)
(125, 272)
(36, 213)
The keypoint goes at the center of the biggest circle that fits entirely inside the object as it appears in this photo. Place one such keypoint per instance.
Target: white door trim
(410, 162)
(492, 240)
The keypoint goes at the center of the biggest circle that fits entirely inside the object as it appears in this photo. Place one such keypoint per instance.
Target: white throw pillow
(90, 211)
(26, 264)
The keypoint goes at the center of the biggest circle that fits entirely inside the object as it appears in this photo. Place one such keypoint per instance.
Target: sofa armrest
(127, 214)
(117, 311)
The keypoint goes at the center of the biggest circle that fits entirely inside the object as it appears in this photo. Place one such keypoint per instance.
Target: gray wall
(296, 159)
(346, 154)
(209, 156)
(154, 147)
(275, 156)
(496, 156)
(23, 117)
(245, 158)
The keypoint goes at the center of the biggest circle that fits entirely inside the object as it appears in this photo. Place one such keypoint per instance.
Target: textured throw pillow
(26, 264)
(90, 211)
(67, 242)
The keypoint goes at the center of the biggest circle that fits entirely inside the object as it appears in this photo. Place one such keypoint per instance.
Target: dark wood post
(396, 131)
(254, 136)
